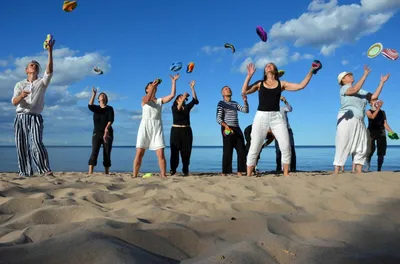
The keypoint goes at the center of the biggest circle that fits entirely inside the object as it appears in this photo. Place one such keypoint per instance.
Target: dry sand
(306, 218)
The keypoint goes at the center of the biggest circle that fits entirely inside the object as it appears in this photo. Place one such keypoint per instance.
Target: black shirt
(378, 123)
(101, 116)
(182, 117)
(268, 98)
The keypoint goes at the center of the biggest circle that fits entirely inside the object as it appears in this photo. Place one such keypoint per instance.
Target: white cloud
(297, 56)
(264, 52)
(380, 5)
(328, 25)
(345, 62)
(69, 68)
(66, 119)
(212, 49)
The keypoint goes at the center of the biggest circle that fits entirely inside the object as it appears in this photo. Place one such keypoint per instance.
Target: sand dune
(305, 218)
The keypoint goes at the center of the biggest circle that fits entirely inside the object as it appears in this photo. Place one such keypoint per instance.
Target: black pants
(230, 142)
(279, 154)
(97, 141)
(181, 141)
(247, 135)
(379, 138)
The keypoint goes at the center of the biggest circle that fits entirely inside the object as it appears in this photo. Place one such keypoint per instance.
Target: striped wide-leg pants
(28, 129)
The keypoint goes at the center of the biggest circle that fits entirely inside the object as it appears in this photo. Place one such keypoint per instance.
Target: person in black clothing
(377, 124)
(247, 135)
(181, 138)
(232, 136)
(103, 134)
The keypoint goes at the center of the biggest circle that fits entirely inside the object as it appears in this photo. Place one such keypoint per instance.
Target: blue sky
(136, 41)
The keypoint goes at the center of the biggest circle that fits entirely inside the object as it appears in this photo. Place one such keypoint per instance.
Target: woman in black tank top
(268, 115)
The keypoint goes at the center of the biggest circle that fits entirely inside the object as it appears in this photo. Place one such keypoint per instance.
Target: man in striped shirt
(232, 136)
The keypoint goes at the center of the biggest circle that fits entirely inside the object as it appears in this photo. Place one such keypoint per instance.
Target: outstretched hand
(94, 90)
(192, 84)
(51, 44)
(367, 70)
(175, 77)
(251, 69)
(384, 78)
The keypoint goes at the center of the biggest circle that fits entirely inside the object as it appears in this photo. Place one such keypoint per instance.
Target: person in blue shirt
(351, 133)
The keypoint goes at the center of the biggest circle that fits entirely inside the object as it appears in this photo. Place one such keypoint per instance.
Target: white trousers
(351, 138)
(264, 121)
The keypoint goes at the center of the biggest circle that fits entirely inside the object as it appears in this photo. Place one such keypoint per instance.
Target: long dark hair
(105, 96)
(145, 88)
(176, 100)
(276, 72)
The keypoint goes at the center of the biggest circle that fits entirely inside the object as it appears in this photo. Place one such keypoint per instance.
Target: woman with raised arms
(268, 116)
(150, 133)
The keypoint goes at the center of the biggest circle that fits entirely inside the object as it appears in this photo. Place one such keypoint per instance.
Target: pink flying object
(391, 54)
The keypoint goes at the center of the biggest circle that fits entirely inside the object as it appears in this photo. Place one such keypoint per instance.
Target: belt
(181, 125)
(29, 113)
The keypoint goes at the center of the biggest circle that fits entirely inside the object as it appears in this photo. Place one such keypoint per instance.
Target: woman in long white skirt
(151, 134)
(351, 133)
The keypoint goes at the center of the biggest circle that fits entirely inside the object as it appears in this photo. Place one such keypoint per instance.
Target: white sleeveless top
(152, 110)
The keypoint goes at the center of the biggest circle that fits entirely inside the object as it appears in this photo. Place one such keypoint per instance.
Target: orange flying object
(190, 67)
(68, 6)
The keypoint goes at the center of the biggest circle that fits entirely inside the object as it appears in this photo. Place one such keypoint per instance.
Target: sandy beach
(310, 217)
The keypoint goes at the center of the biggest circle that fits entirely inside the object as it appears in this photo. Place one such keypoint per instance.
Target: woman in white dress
(150, 134)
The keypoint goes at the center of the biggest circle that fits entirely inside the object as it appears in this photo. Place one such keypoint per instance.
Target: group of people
(270, 123)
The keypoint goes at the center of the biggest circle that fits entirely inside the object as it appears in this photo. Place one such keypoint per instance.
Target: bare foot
(239, 174)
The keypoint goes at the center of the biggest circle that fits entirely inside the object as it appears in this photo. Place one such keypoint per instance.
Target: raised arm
(357, 87)
(49, 67)
(243, 108)
(194, 94)
(297, 86)
(371, 115)
(246, 88)
(94, 91)
(179, 105)
(194, 101)
(168, 98)
(150, 93)
(378, 90)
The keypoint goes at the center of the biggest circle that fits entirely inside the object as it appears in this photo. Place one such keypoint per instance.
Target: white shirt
(284, 110)
(34, 102)
(152, 110)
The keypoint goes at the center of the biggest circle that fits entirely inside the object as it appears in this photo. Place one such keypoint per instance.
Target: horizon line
(200, 146)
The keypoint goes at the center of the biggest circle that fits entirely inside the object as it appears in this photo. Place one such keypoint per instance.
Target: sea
(203, 159)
